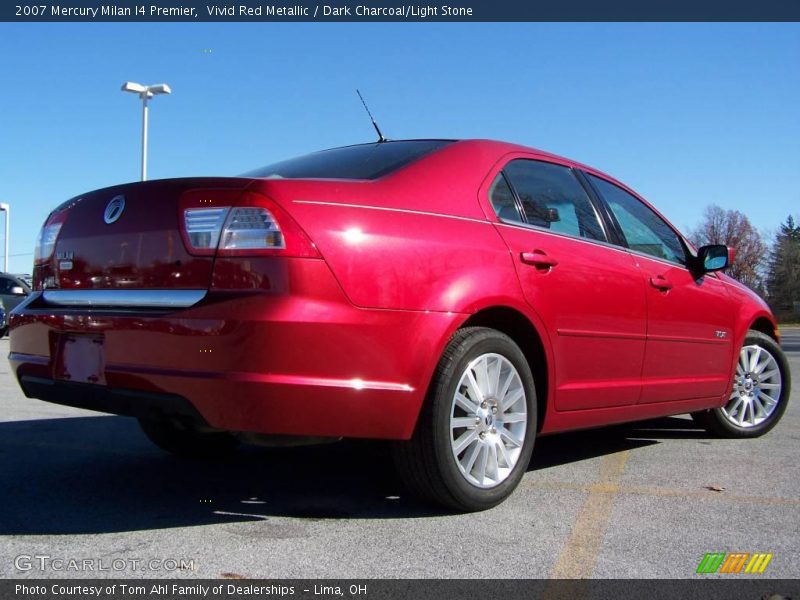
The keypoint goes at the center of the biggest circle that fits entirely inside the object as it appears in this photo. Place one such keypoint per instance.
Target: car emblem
(114, 210)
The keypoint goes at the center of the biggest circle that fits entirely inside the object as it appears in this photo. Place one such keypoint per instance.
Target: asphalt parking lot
(645, 500)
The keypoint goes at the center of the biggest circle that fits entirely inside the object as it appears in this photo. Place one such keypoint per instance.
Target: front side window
(551, 197)
(644, 230)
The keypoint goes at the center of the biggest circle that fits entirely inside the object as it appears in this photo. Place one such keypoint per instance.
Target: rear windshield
(365, 161)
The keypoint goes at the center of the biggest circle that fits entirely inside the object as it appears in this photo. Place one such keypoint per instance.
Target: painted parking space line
(579, 552)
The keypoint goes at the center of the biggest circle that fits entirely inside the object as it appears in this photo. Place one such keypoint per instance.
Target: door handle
(539, 259)
(661, 283)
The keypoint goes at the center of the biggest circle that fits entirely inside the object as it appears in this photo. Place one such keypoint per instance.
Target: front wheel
(476, 431)
(759, 395)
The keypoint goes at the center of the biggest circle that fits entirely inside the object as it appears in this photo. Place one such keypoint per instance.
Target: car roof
(504, 148)
(501, 149)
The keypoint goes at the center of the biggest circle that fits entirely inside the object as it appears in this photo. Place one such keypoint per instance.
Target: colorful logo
(734, 562)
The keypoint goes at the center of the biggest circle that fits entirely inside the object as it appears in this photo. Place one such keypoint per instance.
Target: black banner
(397, 10)
(733, 588)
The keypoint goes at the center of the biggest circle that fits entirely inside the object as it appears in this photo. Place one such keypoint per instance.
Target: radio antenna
(381, 139)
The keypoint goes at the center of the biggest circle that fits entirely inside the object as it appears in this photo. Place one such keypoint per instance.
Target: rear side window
(551, 197)
(644, 230)
(365, 161)
(502, 199)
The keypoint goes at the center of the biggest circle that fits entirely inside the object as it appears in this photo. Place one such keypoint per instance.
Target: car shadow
(100, 474)
(564, 448)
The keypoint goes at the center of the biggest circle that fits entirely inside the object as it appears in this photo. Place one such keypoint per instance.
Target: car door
(588, 292)
(690, 316)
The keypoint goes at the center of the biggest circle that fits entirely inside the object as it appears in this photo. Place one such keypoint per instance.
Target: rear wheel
(476, 431)
(186, 441)
(759, 393)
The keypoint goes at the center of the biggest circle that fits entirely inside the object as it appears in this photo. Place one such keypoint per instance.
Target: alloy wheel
(756, 388)
(488, 419)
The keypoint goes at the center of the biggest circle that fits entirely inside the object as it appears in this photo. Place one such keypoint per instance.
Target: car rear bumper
(131, 403)
(305, 363)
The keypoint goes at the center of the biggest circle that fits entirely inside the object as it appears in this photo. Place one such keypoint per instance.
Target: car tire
(186, 441)
(476, 430)
(759, 394)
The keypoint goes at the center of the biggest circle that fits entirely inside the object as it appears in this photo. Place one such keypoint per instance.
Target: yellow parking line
(579, 553)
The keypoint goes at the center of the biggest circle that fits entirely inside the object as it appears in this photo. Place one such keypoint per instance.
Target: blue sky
(686, 114)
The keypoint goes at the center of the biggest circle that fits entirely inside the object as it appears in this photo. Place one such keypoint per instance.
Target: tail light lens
(48, 235)
(203, 226)
(255, 226)
(251, 228)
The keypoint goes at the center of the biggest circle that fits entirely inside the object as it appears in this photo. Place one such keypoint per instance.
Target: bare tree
(733, 228)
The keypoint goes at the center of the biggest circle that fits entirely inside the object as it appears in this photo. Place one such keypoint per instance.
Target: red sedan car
(459, 297)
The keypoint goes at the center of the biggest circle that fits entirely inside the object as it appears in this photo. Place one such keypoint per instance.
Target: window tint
(552, 198)
(365, 161)
(644, 230)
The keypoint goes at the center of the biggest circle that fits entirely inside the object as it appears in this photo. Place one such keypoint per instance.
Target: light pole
(6, 209)
(145, 92)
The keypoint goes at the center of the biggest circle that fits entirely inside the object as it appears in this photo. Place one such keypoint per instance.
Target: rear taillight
(203, 226)
(251, 228)
(48, 235)
(255, 226)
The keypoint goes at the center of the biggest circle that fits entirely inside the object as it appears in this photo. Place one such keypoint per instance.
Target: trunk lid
(136, 246)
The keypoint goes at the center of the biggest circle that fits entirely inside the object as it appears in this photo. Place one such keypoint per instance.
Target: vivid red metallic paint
(341, 337)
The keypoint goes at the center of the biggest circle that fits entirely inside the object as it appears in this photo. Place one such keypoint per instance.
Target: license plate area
(81, 359)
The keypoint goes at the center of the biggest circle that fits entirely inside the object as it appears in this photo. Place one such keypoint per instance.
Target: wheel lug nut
(482, 435)
(483, 405)
(494, 410)
(477, 420)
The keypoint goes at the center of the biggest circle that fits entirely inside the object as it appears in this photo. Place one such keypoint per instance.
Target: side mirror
(715, 257)
(17, 291)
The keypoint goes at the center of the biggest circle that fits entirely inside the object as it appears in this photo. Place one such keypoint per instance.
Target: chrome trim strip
(124, 298)
(29, 358)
